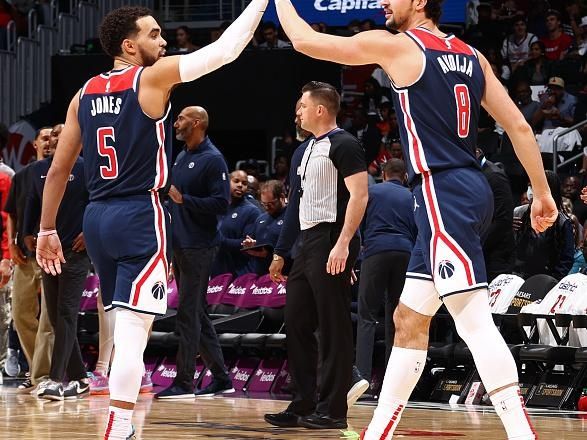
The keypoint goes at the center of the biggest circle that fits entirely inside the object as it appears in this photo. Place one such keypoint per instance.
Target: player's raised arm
(184, 68)
(500, 106)
(365, 48)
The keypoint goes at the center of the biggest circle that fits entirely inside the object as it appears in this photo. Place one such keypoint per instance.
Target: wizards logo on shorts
(158, 290)
(446, 269)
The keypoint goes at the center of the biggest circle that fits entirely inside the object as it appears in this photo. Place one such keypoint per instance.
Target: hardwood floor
(239, 418)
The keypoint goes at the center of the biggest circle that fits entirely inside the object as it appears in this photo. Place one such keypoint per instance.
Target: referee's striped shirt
(327, 161)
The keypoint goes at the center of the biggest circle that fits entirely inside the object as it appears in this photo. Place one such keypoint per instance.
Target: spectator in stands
(373, 97)
(260, 244)
(500, 68)
(34, 330)
(388, 119)
(516, 47)
(389, 234)
(556, 42)
(550, 252)
(368, 25)
(183, 40)
(537, 69)
(4, 169)
(252, 194)
(63, 292)
(570, 190)
(365, 130)
(581, 36)
(558, 106)
(200, 193)
(251, 168)
(5, 268)
(498, 247)
(281, 171)
(579, 262)
(271, 37)
(390, 149)
(485, 33)
(235, 225)
(522, 94)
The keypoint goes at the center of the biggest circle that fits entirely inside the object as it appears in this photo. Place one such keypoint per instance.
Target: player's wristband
(47, 232)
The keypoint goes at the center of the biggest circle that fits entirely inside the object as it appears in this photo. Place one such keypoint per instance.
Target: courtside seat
(230, 340)
(548, 354)
(462, 354)
(441, 352)
(276, 341)
(254, 340)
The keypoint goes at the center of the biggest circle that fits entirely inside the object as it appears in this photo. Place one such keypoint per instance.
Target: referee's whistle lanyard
(316, 140)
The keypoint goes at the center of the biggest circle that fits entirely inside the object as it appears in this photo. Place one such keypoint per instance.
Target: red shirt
(4, 190)
(554, 48)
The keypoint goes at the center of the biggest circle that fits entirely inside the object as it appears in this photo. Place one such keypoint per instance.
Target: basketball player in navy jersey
(439, 84)
(121, 118)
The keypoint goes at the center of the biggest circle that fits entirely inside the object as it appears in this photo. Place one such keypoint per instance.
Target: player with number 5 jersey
(121, 119)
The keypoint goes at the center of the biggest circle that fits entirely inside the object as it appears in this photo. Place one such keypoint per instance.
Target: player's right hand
(50, 254)
(543, 212)
(275, 270)
(16, 254)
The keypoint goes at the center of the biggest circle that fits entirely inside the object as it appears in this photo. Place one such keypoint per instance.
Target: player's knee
(409, 324)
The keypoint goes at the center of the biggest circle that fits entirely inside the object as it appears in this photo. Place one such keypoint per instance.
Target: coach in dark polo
(199, 192)
(332, 203)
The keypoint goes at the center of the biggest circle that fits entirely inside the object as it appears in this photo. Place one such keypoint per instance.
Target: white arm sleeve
(227, 48)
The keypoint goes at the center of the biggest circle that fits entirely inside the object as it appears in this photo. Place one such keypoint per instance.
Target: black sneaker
(51, 391)
(27, 386)
(319, 421)
(75, 389)
(216, 387)
(175, 392)
(284, 419)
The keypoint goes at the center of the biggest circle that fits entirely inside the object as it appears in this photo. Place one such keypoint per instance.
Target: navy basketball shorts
(453, 211)
(127, 239)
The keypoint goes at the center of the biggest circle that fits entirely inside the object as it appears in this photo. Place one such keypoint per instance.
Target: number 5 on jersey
(106, 139)
(463, 109)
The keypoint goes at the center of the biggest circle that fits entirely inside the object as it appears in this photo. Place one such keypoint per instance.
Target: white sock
(119, 423)
(401, 376)
(509, 405)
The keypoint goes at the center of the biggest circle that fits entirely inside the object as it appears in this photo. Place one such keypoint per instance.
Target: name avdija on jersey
(456, 63)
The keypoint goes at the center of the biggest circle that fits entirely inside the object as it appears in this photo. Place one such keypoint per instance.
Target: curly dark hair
(118, 25)
(433, 10)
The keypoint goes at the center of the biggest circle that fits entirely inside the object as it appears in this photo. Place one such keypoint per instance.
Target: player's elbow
(518, 126)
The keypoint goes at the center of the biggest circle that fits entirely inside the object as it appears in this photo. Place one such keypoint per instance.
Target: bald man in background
(200, 192)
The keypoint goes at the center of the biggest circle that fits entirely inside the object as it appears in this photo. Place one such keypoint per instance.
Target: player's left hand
(79, 244)
(337, 259)
(543, 212)
(50, 254)
(175, 195)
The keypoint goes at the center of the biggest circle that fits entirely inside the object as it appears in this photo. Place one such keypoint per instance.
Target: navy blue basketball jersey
(438, 114)
(125, 151)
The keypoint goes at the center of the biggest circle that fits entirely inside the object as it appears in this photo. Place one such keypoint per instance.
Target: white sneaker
(356, 391)
(39, 389)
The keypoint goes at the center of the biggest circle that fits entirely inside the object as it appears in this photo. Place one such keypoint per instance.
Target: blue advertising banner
(341, 12)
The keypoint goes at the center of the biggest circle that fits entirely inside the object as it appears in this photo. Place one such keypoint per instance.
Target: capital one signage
(341, 12)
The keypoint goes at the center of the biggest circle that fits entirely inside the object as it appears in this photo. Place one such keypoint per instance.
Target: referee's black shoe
(321, 421)
(284, 419)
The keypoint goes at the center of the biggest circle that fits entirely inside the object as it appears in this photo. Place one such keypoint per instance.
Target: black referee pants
(319, 301)
(382, 280)
(63, 295)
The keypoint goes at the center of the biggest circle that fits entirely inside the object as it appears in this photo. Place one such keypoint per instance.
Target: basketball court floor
(240, 418)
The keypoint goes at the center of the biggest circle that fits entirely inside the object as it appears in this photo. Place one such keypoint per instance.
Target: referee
(332, 203)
